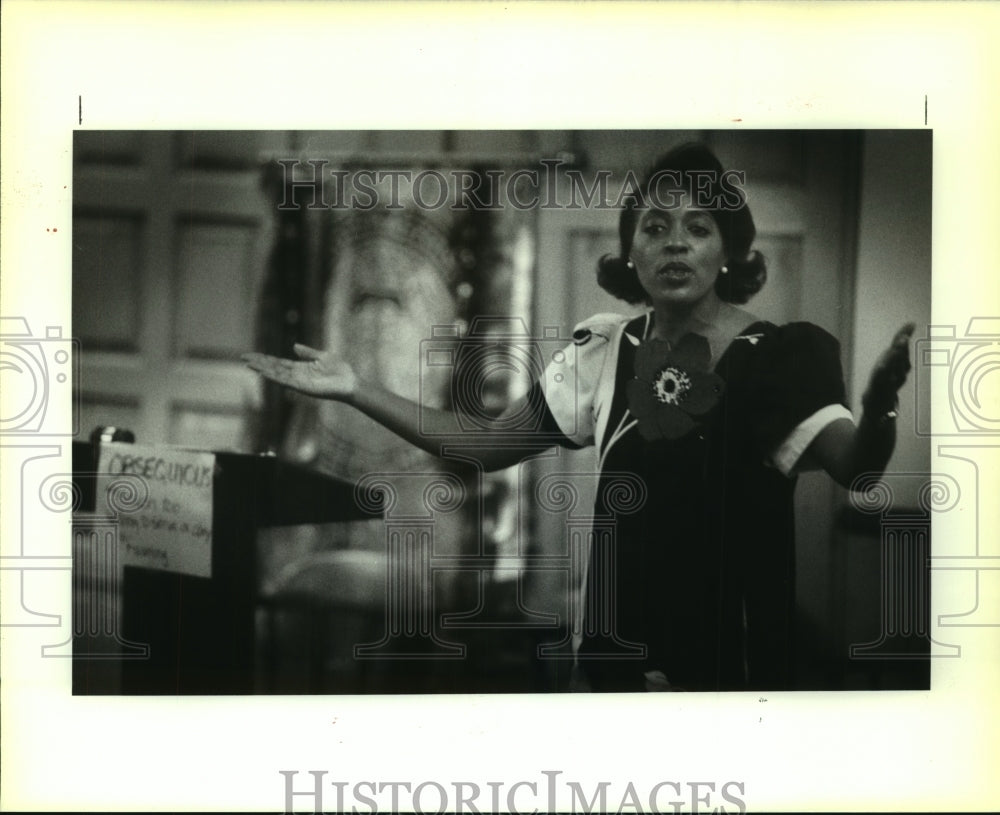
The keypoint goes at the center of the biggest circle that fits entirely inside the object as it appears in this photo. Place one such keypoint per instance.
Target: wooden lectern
(200, 631)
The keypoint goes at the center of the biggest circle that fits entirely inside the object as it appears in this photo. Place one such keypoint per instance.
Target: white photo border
(261, 65)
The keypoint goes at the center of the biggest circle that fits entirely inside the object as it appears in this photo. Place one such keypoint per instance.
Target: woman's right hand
(315, 373)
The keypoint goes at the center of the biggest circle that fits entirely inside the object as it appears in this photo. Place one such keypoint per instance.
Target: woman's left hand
(889, 373)
(847, 451)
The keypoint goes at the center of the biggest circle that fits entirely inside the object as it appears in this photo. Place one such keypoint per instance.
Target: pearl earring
(630, 264)
(724, 270)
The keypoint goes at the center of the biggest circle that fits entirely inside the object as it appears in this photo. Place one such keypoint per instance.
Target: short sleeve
(572, 377)
(798, 389)
(789, 456)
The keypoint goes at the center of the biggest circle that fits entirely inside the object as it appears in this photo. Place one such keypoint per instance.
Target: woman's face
(677, 253)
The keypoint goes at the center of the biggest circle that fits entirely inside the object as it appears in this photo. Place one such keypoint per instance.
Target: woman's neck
(671, 321)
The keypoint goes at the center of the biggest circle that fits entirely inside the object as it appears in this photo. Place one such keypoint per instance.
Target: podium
(200, 631)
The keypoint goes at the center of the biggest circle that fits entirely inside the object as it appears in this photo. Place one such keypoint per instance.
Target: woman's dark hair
(688, 167)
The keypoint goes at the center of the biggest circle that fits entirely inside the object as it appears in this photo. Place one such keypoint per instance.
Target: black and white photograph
(537, 411)
(554, 407)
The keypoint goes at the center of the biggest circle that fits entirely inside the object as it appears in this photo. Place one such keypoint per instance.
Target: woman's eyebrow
(653, 212)
(688, 214)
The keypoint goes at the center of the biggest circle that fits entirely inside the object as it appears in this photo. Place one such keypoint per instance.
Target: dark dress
(701, 581)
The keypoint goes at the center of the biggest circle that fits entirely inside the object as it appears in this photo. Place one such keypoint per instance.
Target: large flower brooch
(673, 387)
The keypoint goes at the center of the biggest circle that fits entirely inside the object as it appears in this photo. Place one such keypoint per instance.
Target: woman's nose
(676, 241)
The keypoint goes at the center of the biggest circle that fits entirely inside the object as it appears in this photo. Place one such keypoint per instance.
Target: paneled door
(170, 238)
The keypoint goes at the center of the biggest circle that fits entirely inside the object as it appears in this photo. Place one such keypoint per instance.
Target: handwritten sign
(172, 530)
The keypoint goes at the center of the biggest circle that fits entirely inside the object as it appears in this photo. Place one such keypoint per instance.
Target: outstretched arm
(846, 450)
(325, 375)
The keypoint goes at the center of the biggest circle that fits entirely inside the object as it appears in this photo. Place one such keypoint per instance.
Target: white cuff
(787, 457)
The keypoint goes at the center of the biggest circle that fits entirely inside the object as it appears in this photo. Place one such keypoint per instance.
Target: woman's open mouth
(675, 272)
